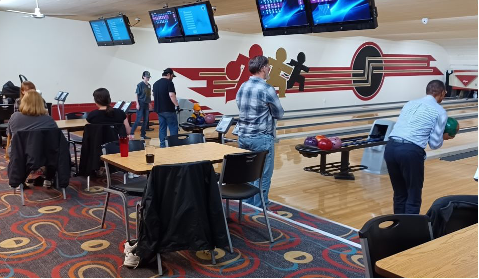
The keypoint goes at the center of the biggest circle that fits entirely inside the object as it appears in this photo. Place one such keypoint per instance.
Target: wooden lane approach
(451, 256)
(136, 161)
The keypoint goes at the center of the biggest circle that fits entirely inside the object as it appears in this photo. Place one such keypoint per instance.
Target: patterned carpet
(52, 237)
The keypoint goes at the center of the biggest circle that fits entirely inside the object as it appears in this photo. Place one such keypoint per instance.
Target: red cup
(124, 146)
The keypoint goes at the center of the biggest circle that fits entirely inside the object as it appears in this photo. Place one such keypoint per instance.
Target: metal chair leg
(125, 211)
(124, 178)
(158, 261)
(138, 206)
(64, 194)
(105, 208)
(267, 220)
(227, 229)
(88, 183)
(76, 158)
(213, 258)
(21, 194)
(240, 211)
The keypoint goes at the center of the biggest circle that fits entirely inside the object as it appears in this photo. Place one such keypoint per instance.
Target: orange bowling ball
(320, 137)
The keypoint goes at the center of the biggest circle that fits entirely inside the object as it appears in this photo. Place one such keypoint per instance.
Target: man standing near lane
(259, 107)
(143, 100)
(421, 122)
(166, 104)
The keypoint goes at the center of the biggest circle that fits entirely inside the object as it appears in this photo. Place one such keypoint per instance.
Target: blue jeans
(261, 143)
(142, 113)
(405, 162)
(167, 119)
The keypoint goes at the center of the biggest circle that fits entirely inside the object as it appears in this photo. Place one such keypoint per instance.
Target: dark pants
(170, 120)
(405, 162)
(142, 113)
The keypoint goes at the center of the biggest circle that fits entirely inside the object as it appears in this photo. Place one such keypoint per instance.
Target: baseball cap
(168, 71)
(146, 74)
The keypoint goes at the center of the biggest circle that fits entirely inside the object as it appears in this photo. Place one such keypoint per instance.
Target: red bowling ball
(325, 144)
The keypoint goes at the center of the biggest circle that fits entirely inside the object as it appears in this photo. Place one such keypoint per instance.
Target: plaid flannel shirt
(258, 106)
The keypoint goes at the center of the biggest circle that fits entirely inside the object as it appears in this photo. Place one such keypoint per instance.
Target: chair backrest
(6, 111)
(76, 115)
(387, 235)
(243, 167)
(184, 139)
(451, 213)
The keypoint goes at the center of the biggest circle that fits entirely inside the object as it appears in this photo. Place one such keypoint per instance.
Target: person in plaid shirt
(259, 107)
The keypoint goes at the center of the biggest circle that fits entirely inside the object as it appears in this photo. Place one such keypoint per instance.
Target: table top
(71, 124)
(136, 161)
(451, 256)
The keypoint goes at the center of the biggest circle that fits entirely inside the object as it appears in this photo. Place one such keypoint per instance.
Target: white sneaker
(132, 175)
(47, 183)
(129, 247)
(131, 260)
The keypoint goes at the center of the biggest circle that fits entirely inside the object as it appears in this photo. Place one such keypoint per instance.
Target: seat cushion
(131, 189)
(238, 191)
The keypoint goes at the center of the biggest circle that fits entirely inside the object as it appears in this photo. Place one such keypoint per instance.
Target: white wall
(61, 55)
(463, 53)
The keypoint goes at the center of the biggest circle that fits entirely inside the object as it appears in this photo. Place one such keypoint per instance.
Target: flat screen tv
(120, 30)
(101, 32)
(282, 17)
(342, 15)
(197, 22)
(167, 25)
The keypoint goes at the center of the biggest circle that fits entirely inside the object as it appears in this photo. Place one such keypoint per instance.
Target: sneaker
(47, 183)
(28, 183)
(145, 137)
(132, 175)
(130, 246)
(131, 260)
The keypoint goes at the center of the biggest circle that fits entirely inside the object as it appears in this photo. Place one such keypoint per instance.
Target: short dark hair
(435, 87)
(257, 63)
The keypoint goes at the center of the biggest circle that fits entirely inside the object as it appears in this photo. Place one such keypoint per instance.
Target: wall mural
(364, 76)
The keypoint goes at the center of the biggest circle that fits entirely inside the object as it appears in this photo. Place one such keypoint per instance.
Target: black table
(340, 170)
(194, 128)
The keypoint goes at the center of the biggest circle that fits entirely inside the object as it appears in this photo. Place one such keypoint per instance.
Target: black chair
(184, 139)
(236, 185)
(94, 136)
(74, 142)
(132, 189)
(451, 213)
(6, 112)
(387, 235)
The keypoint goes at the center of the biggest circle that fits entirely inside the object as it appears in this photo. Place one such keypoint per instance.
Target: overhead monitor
(341, 15)
(167, 25)
(101, 32)
(197, 22)
(282, 17)
(120, 30)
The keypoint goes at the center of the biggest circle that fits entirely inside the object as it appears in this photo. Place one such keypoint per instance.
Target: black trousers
(405, 163)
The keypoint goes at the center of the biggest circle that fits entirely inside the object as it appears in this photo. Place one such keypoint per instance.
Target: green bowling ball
(451, 127)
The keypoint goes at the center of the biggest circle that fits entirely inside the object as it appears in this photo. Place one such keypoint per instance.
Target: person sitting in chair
(32, 115)
(26, 85)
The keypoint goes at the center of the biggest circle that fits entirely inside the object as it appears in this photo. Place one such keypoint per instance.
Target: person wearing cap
(143, 100)
(166, 104)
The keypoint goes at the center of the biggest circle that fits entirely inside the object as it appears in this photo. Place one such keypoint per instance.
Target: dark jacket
(94, 136)
(181, 210)
(33, 149)
(451, 213)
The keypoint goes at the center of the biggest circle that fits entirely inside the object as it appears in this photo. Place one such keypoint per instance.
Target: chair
(32, 149)
(181, 209)
(131, 189)
(94, 136)
(74, 142)
(379, 241)
(6, 112)
(451, 213)
(184, 139)
(236, 185)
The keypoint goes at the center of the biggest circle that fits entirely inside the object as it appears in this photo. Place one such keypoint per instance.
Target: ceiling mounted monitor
(342, 15)
(101, 32)
(282, 17)
(120, 30)
(197, 22)
(167, 25)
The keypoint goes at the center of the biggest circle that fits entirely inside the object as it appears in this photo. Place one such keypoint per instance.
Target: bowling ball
(200, 120)
(191, 120)
(210, 118)
(452, 126)
(325, 144)
(336, 142)
(310, 141)
(319, 137)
